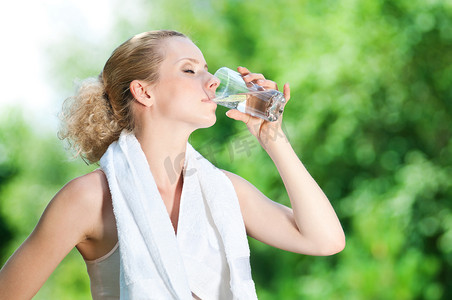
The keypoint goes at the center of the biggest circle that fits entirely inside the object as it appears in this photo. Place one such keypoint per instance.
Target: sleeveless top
(104, 276)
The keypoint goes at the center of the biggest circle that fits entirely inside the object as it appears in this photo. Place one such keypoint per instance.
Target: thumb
(237, 115)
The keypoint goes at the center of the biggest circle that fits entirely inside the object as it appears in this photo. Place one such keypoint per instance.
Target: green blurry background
(370, 117)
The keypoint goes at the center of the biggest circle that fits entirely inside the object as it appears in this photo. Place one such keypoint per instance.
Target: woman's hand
(263, 130)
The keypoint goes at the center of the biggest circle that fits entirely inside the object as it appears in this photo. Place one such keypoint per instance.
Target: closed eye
(189, 71)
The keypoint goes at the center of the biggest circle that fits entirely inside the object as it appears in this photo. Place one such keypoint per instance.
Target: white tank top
(104, 276)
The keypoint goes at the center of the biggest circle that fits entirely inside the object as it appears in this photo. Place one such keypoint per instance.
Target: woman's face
(185, 87)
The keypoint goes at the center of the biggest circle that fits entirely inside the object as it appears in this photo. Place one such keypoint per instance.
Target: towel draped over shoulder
(210, 254)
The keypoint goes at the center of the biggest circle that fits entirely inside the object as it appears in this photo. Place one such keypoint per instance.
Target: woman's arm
(67, 221)
(311, 226)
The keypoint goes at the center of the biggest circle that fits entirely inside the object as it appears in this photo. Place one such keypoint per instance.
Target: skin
(167, 112)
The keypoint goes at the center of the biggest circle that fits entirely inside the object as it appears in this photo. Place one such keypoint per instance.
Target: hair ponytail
(102, 107)
(88, 122)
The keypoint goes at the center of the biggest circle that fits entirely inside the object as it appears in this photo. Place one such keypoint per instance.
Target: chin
(209, 122)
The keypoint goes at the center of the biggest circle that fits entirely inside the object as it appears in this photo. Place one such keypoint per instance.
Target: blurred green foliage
(370, 117)
(33, 167)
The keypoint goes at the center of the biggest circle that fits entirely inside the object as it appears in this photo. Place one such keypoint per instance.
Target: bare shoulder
(69, 219)
(88, 191)
(234, 178)
(82, 198)
(247, 194)
(92, 186)
(241, 185)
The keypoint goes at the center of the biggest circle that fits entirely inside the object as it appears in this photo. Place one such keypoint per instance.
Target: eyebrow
(194, 61)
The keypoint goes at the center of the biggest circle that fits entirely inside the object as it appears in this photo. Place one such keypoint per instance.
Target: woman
(156, 88)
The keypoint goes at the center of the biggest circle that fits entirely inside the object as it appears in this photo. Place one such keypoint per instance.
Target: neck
(164, 147)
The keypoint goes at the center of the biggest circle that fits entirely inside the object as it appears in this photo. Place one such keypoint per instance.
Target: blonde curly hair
(101, 107)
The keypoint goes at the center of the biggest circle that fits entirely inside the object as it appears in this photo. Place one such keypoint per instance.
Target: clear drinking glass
(249, 98)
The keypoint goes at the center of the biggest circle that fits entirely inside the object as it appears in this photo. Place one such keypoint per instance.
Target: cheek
(179, 99)
(174, 88)
(173, 102)
(181, 92)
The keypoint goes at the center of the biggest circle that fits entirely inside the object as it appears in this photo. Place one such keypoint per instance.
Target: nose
(213, 82)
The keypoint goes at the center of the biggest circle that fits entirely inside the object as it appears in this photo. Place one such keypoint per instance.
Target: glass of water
(249, 98)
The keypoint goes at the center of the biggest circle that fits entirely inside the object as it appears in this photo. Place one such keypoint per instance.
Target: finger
(286, 91)
(243, 71)
(237, 115)
(267, 84)
(257, 78)
(253, 77)
(248, 76)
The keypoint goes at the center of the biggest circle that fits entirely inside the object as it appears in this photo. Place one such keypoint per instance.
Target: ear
(140, 92)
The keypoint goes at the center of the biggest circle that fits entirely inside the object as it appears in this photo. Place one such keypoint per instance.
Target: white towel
(154, 263)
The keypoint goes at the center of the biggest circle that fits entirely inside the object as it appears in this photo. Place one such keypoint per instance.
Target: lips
(207, 100)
